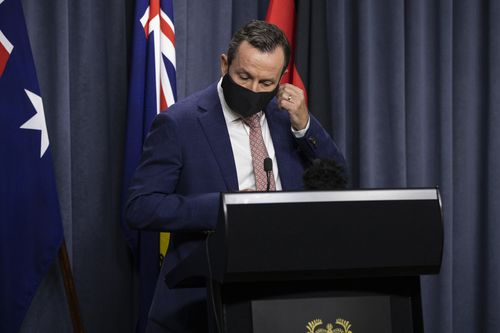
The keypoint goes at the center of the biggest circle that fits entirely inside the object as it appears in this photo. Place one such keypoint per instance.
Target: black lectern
(325, 261)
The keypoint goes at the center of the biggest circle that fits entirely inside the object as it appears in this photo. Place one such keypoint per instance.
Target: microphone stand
(268, 168)
(268, 173)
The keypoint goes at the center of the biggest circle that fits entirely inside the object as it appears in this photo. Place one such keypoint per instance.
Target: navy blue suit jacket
(187, 162)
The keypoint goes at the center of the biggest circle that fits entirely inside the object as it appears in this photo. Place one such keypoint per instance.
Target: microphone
(268, 167)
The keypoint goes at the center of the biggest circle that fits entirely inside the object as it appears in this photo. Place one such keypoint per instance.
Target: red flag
(282, 14)
(305, 25)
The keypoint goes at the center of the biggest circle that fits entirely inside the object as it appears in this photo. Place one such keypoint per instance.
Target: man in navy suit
(200, 147)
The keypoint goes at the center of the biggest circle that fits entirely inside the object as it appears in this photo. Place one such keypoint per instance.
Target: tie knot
(253, 121)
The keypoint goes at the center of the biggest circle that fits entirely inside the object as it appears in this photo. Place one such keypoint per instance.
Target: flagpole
(69, 287)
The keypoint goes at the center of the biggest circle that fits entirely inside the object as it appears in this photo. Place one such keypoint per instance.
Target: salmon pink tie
(259, 153)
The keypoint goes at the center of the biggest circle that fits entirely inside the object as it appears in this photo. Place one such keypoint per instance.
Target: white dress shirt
(239, 134)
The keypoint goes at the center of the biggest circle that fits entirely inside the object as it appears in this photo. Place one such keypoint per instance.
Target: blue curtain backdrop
(415, 101)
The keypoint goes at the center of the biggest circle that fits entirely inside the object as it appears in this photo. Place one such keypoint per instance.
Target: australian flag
(152, 90)
(30, 224)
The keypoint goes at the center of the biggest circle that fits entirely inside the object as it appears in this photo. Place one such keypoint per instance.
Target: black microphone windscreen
(268, 164)
(325, 175)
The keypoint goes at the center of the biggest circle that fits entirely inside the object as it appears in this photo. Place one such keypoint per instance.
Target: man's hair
(264, 36)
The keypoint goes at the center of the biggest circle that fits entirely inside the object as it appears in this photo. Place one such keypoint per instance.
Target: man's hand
(293, 100)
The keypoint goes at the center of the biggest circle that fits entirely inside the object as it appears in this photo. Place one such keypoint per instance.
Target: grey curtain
(415, 101)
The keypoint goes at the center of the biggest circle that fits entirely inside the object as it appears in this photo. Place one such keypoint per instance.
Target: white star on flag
(37, 122)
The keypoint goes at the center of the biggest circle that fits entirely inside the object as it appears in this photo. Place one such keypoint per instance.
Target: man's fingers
(290, 93)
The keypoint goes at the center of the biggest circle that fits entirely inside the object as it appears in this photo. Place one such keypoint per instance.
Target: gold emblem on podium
(342, 326)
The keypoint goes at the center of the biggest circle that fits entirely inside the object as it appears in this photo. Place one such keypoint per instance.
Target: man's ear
(224, 65)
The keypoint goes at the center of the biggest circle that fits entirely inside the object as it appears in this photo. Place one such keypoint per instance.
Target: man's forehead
(250, 56)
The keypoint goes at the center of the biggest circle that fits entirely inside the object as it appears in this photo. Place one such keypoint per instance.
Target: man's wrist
(300, 133)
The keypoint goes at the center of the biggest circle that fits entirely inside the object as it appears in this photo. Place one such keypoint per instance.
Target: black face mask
(244, 101)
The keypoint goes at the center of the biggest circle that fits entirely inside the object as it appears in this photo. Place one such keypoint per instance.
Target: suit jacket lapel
(281, 142)
(214, 126)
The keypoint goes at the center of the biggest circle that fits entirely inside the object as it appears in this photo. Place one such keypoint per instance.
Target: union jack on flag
(159, 26)
(152, 90)
(5, 51)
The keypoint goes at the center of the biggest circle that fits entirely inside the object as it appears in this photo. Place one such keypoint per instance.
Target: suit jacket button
(312, 141)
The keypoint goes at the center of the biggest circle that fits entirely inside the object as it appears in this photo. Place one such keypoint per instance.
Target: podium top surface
(330, 196)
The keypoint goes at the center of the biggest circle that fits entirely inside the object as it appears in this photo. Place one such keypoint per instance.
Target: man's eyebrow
(243, 71)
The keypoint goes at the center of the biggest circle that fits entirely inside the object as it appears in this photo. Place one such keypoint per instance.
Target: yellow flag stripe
(164, 241)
